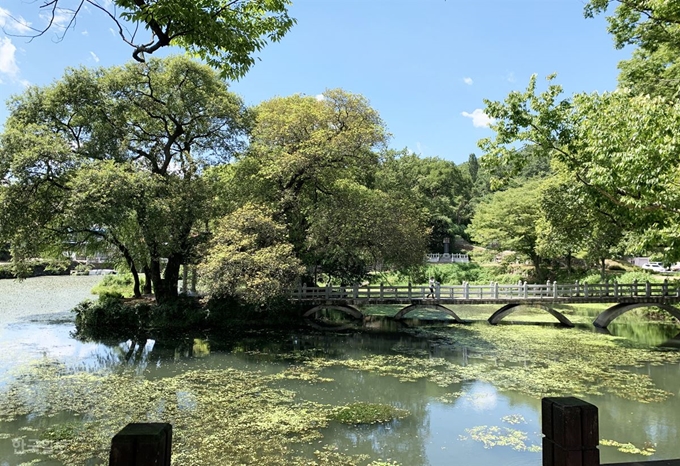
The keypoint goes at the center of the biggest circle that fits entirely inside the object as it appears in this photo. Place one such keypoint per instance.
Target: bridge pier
(497, 316)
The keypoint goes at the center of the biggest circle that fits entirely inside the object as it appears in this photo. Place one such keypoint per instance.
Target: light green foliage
(507, 221)
(249, 257)
(119, 283)
(646, 450)
(495, 436)
(621, 147)
(653, 27)
(111, 159)
(223, 33)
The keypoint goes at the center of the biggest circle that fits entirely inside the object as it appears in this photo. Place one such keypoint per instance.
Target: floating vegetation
(367, 413)
(646, 450)
(514, 419)
(494, 436)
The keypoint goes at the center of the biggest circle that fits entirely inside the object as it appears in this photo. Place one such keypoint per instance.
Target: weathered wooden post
(142, 444)
(571, 433)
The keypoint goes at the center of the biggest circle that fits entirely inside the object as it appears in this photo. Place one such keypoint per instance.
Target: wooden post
(570, 427)
(142, 444)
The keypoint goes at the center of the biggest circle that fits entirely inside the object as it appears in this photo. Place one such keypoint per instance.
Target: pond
(448, 394)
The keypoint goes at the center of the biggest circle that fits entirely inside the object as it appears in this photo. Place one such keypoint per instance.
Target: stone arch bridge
(622, 297)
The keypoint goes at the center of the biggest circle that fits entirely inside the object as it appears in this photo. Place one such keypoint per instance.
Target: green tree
(507, 221)
(223, 33)
(300, 147)
(249, 257)
(653, 28)
(358, 229)
(437, 186)
(117, 155)
(622, 147)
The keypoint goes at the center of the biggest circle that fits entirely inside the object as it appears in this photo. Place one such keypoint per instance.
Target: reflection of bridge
(623, 297)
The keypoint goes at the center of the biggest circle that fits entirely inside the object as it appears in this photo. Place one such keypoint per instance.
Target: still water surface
(473, 422)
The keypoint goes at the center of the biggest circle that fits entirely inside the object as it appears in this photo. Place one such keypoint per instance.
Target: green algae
(494, 436)
(646, 450)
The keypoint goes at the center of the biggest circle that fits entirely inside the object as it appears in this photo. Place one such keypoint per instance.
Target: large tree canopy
(115, 156)
(224, 33)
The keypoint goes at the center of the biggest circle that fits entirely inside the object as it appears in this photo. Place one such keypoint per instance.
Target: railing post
(304, 291)
(635, 284)
(437, 290)
(555, 289)
(328, 291)
(648, 289)
(466, 290)
(495, 290)
(577, 293)
(616, 289)
(410, 291)
(524, 290)
(665, 287)
(571, 431)
(547, 289)
(382, 291)
(585, 290)
(140, 444)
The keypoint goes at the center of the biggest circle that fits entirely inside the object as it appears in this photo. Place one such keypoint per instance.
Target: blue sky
(425, 65)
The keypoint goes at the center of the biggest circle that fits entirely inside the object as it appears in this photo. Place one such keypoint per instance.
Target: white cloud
(468, 81)
(94, 57)
(8, 64)
(511, 77)
(13, 24)
(479, 118)
(85, 33)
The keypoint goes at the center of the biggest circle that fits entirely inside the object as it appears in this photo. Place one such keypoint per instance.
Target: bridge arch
(347, 309)
(439, 307)
(606, 317)
(497, 316)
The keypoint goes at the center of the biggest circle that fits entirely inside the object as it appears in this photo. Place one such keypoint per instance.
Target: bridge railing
(521, 290)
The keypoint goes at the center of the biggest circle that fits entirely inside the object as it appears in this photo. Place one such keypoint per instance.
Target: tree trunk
(165, 285)
(131, 264)
(147, 280)
(536, 260)
(569, 262)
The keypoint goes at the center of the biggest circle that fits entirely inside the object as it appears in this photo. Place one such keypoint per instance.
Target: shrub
(641, 277)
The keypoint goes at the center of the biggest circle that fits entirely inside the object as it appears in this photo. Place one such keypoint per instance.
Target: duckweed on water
(493, 436)
(647, 450)
(367, 413)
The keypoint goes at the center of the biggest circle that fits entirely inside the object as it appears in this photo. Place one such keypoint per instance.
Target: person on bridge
(432, 283)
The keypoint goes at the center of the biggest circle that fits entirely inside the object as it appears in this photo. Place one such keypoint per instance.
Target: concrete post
(495, 290)
(635, 283)
(466, 290)
(585, 290)
(142, 444)
(437, 290)
(555, 289)
(570, 427)
(665, 287)
(524, 290)
(616, 289)
(410, 291)
(355, 291)
(648, 289)
(382, 291)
